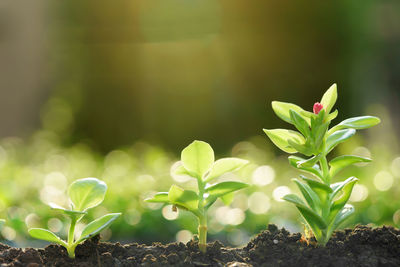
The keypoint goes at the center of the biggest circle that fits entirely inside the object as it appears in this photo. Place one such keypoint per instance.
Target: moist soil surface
(361, 246)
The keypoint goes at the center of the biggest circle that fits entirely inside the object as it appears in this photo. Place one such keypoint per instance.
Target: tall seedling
(324, 206)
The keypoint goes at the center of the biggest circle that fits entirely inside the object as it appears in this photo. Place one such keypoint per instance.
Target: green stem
(202, 230)
(70, 241)
(325, 169)
(325, 202)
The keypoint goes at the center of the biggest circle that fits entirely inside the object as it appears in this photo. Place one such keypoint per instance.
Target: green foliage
(198, 162)
(324, 208)
(84, 194)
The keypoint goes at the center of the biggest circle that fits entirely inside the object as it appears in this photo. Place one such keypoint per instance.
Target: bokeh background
(116, 89)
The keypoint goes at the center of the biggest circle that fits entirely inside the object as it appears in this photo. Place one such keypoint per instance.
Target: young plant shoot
(197, 161)
(324, 206)
(84, 194)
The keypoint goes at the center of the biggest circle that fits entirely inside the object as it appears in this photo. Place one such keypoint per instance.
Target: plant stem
(70, 241)
(325, 202)
(325, 170)
(202, 230)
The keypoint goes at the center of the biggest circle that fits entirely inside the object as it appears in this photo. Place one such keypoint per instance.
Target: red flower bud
(317, 107)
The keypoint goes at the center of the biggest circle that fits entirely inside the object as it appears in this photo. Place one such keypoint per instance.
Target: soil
(361, 246)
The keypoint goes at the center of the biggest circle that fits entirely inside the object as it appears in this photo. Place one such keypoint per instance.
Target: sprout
(197, 161)
(324, 206)
(84, 194)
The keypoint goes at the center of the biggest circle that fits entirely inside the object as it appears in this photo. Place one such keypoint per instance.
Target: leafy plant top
(323, 206)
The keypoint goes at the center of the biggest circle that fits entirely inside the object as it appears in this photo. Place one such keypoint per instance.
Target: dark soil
(361, 246)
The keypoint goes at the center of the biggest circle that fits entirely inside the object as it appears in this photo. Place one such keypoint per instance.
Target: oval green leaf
(198, 158)
(225, 165)
(309, 195)
(341, 162)
(300, 123)
(87, 193)
(280, 138)
(315, 170)
(329, 98)
(46, 235)
(97, 226)
(161, 197)
(185, 198)
(282, 110)
(337, 138)
(66, 211)
(220, 189)
(357, 123)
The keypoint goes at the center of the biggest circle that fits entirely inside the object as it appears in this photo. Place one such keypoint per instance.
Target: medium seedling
(324, 208)
(84, 194)
(197, 161)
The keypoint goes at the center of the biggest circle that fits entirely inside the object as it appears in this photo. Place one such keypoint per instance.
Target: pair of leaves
(84, 194)
(198, 161)
(189, 199)
(89, 231)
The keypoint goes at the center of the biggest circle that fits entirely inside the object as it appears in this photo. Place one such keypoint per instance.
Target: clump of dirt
(361, 246)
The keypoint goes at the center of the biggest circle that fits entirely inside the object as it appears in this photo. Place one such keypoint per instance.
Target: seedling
(324, 208)
(84, 194)
(197, 161)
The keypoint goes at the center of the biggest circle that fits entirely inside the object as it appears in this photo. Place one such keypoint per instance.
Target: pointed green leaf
(343, 215)
(345, 188)
(301, 148)
(357, 123)
(338, 137)
(223, 188)
(329, 98)
(87, 193)
(161, 197)
(339, 163)
(97, 226)
(315, 185)
(66, 211)
(309, 195)
(300, 123)
(282, 110)
(46, 235)
(313, 219)
(185, 198)
(198, 158)
(225, 165)
(280, 138)
(333, 115)
(309, 162)
(293, 160)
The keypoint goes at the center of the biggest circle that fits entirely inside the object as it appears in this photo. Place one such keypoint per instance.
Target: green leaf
(357, 123)
(332, 116)
(329, 98)
(181, 171)
(309, 195)
(227, 198)
(161, 197)
(337, 138)
(185, 198)
(300, 123)
(198, 158)
(313, 219)
(46, 235)
(97, 226)
(66, 211)
(345, 188)
(339, 163)
(343, 215)
(315, 185)
(293, 160)
(220, 189)
(225, 165)
(87, 193)
(282, 110)
(280, 138)
(304, 149)
(309, 162)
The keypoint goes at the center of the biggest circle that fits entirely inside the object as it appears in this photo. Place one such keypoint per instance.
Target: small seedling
(325, 206)
(84, 194)
(197, 161)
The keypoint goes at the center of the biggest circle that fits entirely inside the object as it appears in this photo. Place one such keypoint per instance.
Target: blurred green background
(116, 89)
